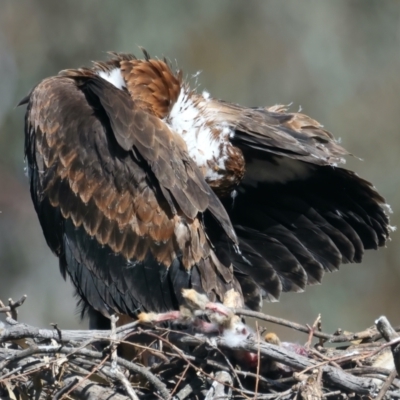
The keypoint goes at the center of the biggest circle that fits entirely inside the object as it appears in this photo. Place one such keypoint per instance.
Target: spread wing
(119, 199)
(296, 213)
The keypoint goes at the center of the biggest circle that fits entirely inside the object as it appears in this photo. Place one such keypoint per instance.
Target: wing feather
(118, 197)
(273, 130)
(164, 151)
(296, 213)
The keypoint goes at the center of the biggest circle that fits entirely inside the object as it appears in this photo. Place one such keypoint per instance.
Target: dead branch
(369, 333)
(11, 309)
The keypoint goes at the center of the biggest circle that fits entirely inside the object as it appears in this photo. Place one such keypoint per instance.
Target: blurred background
(339, 61)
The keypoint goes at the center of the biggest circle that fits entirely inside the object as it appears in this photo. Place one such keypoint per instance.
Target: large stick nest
(172, 363)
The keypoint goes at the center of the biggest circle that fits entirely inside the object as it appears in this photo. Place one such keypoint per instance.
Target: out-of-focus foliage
(338, 60)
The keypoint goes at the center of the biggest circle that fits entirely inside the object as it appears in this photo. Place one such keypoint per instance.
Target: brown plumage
(144, 188)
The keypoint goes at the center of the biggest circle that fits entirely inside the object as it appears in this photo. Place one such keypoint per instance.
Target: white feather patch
(113, 76)
(237, 334)
(190, 121)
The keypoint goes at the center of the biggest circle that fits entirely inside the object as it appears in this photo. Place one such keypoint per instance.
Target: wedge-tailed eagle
(144, 187)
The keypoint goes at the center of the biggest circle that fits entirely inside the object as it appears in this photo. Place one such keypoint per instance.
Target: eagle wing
(296, 213)
(119, 199)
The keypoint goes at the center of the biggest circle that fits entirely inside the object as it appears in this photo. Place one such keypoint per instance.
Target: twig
(325, 358)
(115, 370)
(113, 342)
(366, 334)
(258, 362)
(179, 380)
(5, 309)
(11, 309)
(386, 385)
(312, 330)
(127, 327)
(155, 352)
(55, 326)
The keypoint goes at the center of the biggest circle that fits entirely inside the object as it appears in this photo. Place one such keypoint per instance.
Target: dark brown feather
(152, 84)
(105, 165)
